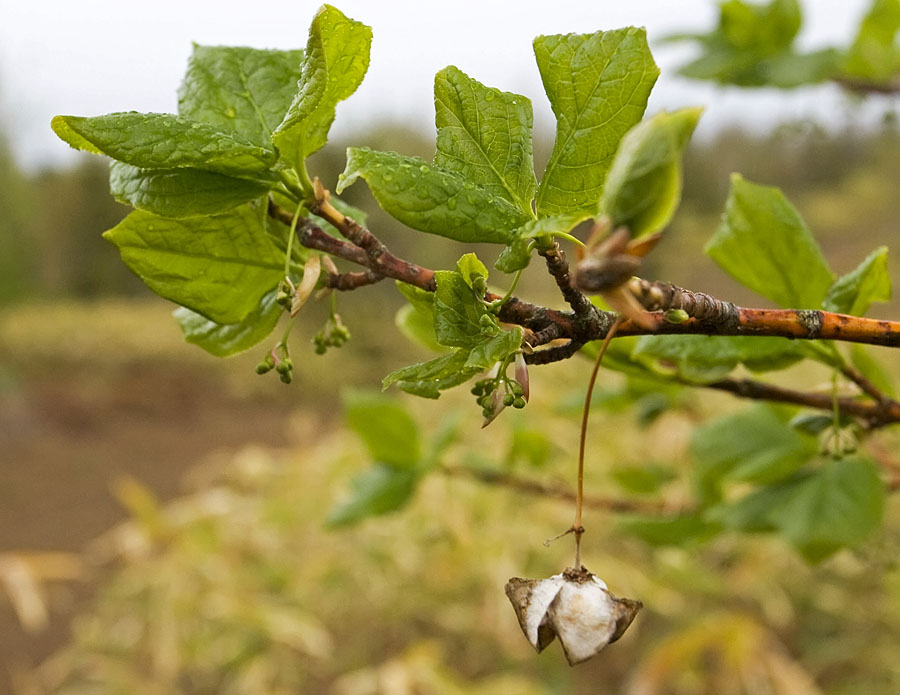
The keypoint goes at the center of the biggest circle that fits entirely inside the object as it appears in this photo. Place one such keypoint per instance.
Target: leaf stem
(290, 242)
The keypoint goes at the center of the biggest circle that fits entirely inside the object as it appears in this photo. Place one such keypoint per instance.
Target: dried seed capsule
(575, 606)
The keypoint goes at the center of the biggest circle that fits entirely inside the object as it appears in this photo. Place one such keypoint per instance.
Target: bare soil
(67, 436)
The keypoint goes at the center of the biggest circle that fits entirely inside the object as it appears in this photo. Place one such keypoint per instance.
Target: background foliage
(237, 587)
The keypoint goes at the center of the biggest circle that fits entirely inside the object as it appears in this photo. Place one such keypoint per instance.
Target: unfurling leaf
(643, 187)
(334, 64)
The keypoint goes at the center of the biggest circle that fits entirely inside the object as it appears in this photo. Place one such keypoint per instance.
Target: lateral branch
(707, 315)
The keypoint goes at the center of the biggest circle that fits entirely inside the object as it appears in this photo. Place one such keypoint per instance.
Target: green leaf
(869, 282)
(755, 445)
(180, 192)
(704, 359)
(487, 353)
(430, 198)
(224, 340)
(428, 379)
(598, 85)
(334, 65)
(218, 266)
(485, 135)
(874, 55)
(389, 431)
(459, 313)
(240, 90)
(643, 187)
(164, 141)
(764, 29)
(764, 244)
(377, 490)
(838, 505)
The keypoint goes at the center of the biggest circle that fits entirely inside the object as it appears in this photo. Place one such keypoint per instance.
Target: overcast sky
(99, 56)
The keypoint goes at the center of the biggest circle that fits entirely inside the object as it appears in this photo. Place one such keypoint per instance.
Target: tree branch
(708, 315)
(536, 487)
(877, 414)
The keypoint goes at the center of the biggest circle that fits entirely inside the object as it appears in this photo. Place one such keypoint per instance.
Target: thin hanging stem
(577, 527)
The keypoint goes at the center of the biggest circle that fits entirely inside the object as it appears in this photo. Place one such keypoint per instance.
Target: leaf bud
(676, 316)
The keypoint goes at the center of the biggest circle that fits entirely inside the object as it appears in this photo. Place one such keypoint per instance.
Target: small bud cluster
(278, 359)
(498, 392)
(333, 334)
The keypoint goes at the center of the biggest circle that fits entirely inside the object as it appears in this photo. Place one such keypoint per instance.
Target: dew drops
(451, 203)
(388, 176)
(424, 168)
(489, 96)
(230, 112)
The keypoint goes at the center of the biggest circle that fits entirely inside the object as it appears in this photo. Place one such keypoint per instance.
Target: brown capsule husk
(575, 606)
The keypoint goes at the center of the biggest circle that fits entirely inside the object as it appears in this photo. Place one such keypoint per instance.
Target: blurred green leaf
(874, 55)
(598, 85)
(164, 141)
(334, 65)
(869, 282)
(416, 319)
(837, 505)
(485, 135)
(529, 445)
(242, 90)
(376, 491)
(218, 266)
(764, 244)
(681, 530)
(180, 192)
(643, 186)
(752, 46)
(755, 445)
(389, 431)
(430, 198)
(705, 359)
(874, 370)
(224, 340)
(645, 479)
